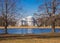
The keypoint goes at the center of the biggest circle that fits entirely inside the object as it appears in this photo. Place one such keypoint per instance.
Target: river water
(28, 31)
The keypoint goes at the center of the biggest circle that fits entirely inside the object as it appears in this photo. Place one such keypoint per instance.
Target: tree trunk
(53, 29)
(6, 25)
(53, 26)
(6, 30)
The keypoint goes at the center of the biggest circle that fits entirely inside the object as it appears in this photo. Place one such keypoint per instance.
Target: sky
(29, 6)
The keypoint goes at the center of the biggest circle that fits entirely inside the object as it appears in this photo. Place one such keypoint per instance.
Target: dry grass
(29, 27)
(30, 40)
(34, 40)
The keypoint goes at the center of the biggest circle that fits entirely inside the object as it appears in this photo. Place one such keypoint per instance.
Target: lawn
(33, 40)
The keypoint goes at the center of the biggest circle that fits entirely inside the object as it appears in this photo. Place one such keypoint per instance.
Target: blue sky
(29, 6)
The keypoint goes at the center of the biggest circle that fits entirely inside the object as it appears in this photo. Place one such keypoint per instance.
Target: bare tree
(8, 11)
(51, 8)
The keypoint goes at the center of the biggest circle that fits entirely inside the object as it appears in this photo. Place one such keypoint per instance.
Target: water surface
(28, 31)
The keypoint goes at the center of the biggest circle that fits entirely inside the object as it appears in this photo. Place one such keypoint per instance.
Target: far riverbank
(29, 27)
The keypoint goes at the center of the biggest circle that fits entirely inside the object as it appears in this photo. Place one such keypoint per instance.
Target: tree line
(12, 22)
(46, 21)
(49, 8)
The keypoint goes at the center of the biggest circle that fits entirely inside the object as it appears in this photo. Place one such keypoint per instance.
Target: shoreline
(1, 27)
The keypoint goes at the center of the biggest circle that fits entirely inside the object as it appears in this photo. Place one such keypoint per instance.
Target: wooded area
(49, 8)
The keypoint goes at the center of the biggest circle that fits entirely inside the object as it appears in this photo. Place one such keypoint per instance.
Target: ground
(30, 38)
(1, 27)
(34, 40)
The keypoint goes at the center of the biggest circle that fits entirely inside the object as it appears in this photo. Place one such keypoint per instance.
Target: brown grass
(30, 40)
(34, 40)
(29, 27)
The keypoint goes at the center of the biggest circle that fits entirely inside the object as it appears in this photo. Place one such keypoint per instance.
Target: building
(28, 21)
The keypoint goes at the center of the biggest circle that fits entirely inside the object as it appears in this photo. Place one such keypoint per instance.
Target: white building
(29, 21)
(21, 22)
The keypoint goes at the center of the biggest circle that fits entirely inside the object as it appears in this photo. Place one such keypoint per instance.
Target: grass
(1, 27)
(34, 40)
(8, 38)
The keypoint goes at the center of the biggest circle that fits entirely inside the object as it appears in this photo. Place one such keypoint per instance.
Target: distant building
(21, 22)
(29, 21)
